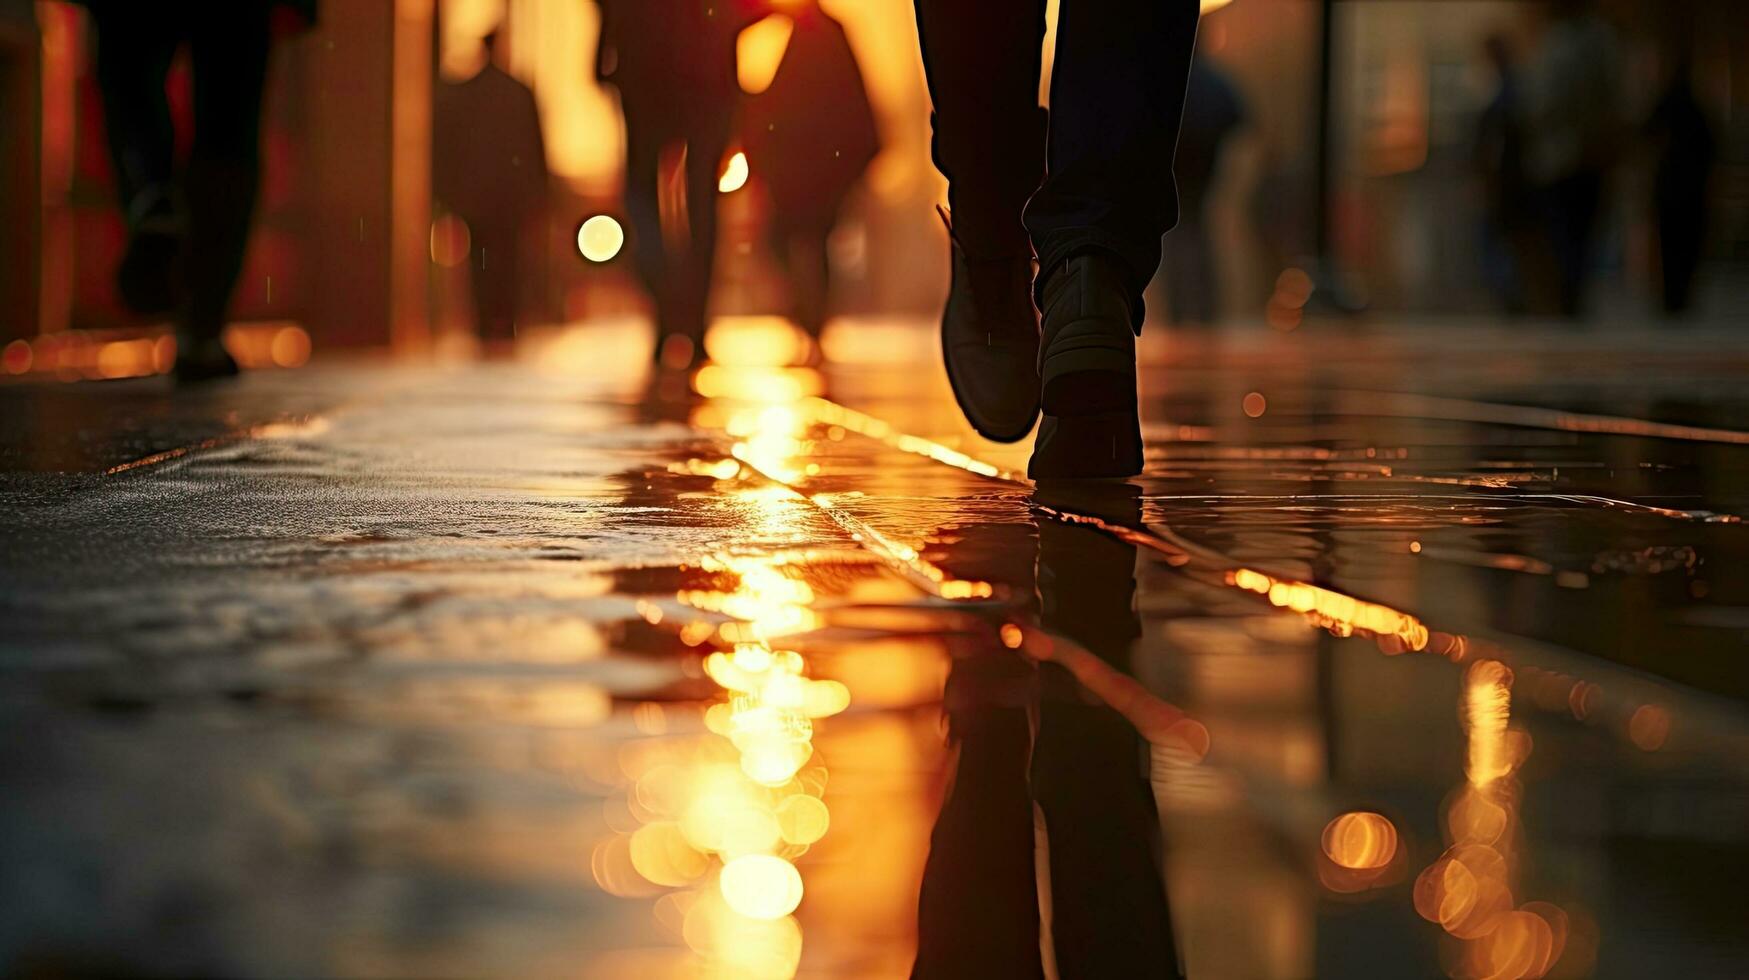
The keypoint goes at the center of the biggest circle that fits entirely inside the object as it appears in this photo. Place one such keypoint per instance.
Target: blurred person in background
(1572, 99)
(187, 228)
(1213, 112)
(673, 62)
(1683, 138)
(1094, 215)
(1499, 159)
(810, 135)
(489, 168)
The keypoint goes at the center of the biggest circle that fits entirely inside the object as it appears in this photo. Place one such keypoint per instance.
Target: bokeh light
(761, 886)
(451, 240)
(1361, 840)
(600, 238)
(734, 176)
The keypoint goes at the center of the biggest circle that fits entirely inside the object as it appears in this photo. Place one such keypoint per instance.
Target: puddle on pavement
(787, 674)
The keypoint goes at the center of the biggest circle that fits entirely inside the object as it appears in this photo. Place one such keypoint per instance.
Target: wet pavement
(1418, 651)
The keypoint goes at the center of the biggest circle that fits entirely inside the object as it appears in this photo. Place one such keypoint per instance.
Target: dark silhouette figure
(1086, 769)
(673, 62)
(810, 136)
(1572, 97)
(187, 231)
(1213, 111)
(1686, 147)
(1499, 160)
(1092, 196)
(489, 167)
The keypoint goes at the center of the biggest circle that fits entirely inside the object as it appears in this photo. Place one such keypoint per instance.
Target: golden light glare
(451, 240)
(761, 886)
(600, 238)
(734, 176)
(759, 51)
(1360, 840)
(290, 347)
(18, 357)
(1254, 404)
(1487, 709)
(662, 855)
(755, 342)
(802, 819)
(1649, 727)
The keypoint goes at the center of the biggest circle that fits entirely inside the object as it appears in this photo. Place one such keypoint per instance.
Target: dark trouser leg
(1681, 232)
(496, 281)
(983, 67)
(1117, 98)
(230, 72)
(802, 248)
(705, 143)
(134, 51)
(644, 142)
(1576, 201)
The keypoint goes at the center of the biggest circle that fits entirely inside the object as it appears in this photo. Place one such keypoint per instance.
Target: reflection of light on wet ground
(1470, 890)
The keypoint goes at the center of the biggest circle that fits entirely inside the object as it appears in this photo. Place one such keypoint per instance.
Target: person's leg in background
(645, 140)
(983, 64)
(1117, 99)
(135, 46)
(496, 280)
(800, 242)
(229, 48)
(707, 137)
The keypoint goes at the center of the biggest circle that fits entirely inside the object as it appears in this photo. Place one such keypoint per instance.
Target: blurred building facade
(344, 247)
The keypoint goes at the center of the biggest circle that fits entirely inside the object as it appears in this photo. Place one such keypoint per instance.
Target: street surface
(1430, 643)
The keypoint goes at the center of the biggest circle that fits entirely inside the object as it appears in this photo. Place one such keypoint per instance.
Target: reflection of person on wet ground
(1094, 216)
(809, 136)
(1213, 111)
(673, 62)
(1499, 157)
(489, 168)
(1572, 97)
(1086, 768)
(1686, 147)
(187, 231)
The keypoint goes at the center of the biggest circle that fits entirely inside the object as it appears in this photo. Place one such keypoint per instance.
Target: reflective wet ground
(1417, 651)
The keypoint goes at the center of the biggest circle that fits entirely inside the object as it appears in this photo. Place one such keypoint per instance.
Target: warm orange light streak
(1341, 614)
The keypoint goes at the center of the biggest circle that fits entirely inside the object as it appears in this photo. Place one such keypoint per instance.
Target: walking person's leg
(229, 49)
(983, 68)
(644, 143)
(706, 139)
(134, 50)
(1117, 98)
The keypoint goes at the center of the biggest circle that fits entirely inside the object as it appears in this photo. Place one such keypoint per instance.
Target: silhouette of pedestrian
(1572, 96)
(1687, 148)
(1095, 221)
(1499, 160)
(489, 167)
(673, 62)
(1213, 111)
(810, 135)
(186, 231)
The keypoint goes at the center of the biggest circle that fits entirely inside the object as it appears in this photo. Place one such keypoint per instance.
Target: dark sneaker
(989, 342)
(1087, 373)
(202, 360)
(148, 277)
